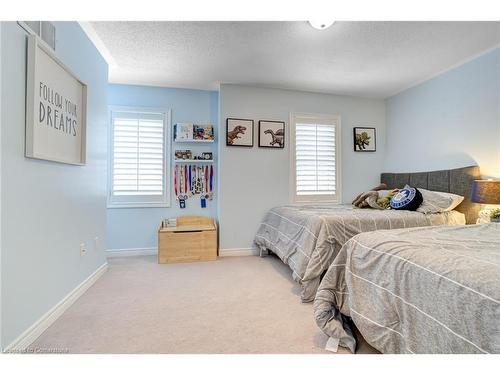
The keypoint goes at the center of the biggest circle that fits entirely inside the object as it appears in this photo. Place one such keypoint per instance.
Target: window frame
(316, 119)
(140, 201)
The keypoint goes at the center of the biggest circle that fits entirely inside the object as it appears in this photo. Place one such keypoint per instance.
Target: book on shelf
(188, 132)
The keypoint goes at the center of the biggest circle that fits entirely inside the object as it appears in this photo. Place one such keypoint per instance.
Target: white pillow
(437, 201)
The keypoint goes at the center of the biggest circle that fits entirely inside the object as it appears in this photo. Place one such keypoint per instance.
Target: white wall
(450, 121)
(48, 209)
(253, 180)
(136, 228)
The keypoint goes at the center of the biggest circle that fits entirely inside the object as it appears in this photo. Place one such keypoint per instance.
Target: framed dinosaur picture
(271, 134)
(365, 139)
(239, 132)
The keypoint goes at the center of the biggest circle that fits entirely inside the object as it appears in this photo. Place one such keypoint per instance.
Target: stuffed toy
(384, 202)
(361, 201)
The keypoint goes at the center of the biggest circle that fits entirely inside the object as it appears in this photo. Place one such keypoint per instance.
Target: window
(139, 167)
(315, 154)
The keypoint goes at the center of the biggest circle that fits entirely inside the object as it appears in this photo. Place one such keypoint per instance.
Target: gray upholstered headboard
(456, 181)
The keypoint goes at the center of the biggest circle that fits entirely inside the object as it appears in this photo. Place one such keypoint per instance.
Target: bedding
(307, 238)
(417, 290)
(435, 201)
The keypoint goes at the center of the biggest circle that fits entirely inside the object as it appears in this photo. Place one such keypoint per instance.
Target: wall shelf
(195, 141)
(192, 161)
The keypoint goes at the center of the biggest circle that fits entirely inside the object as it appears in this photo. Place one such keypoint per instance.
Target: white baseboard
(32, 333)
(112, 253)
(238, 252)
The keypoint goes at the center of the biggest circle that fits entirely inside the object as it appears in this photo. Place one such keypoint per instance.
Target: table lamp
(485, 192)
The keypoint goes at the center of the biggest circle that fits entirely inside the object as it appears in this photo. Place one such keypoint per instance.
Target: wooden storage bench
(194, 239)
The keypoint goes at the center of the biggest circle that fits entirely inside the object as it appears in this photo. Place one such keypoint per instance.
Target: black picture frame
(246, 123)
(372, 133)
(281, 145)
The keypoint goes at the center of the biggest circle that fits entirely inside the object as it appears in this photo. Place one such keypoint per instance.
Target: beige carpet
(232, 305)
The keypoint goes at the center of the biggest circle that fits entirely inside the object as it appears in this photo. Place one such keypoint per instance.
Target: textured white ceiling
(373, 59)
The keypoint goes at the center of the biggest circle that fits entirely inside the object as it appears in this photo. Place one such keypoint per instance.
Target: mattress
(419, 290)
(308, 237)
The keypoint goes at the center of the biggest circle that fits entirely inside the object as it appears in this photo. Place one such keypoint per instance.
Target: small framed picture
(365, 139)
(206, 156)
(239, 132)
(271, 134)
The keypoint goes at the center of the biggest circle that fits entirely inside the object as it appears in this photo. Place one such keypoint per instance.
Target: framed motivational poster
(56, 108)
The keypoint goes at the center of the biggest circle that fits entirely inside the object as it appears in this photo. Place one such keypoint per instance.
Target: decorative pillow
(437, 201)
(406, 199)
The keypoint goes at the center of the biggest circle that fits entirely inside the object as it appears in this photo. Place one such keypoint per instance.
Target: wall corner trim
(238, 252)
(24, 340)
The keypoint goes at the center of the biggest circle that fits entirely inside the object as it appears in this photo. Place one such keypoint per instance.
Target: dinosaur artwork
(277, 137)
(239, 132)
(272, 134)
(234, 134)
(364, 139)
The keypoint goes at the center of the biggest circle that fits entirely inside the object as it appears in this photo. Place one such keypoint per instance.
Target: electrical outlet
(83, 250)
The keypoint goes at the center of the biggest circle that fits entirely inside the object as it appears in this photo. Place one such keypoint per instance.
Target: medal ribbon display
(190, 180)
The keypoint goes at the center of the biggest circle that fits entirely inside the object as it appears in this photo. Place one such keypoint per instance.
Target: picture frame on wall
(56, 108)
(365, 139)
(272, 134)
(239, 132)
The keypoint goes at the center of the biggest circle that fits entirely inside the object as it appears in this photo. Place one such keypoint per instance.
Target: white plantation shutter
(315, 151)
(138, 159)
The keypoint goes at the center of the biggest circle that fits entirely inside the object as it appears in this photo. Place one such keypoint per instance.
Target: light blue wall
(450, 121)
(135, 228)
(48, 209)
(253, 180)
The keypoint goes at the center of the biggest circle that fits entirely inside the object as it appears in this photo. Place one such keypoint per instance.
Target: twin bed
(308, 238)
(417, 290)
(410, 282)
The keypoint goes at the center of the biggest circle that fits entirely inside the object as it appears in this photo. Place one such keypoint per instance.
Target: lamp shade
(486, 191)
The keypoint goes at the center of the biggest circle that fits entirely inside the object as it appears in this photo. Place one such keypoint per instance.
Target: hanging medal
(203, 200)
(211, 186)
(198, 181)
(175, 183)
(206, 182)
(182, 186)
(190, 182)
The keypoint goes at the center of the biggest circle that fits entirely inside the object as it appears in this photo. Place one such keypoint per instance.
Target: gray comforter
(420, 290)
(307, 238)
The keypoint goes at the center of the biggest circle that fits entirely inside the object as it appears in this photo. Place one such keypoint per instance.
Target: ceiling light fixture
(321, 25)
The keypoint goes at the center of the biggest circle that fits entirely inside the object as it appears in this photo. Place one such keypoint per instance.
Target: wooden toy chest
(194, 239)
